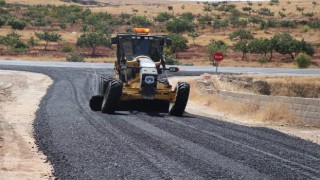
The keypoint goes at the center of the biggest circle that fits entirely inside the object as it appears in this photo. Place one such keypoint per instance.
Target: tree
(178, 25)
(2, 21)
(13, 40)
(187, 16)
(304, 47)
(179, 43)
(48, 37)
(207, 8)
(241, 34)
(141, 21)
(163, 17)
(261, 46)
(16, 23)
(216, 46)
(2, 3)
(284, 44)
(220, 24)
(314, 4)
(93, 40)
(241, 46)
(193, 35)
(32, 42)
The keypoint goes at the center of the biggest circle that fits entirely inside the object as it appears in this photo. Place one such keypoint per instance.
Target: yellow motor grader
(141, 81)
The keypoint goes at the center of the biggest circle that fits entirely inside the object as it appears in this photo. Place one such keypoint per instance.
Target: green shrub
(2, 21)
(17, 24)
(163, 16)
(303, 60)
(20, 47)
(170, 60)
(263, 60)
(67, 48)
(62, 25)
(246, 8)
(75, 57)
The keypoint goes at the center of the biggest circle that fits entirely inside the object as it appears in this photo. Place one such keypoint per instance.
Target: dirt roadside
(20, 95)
(299, 130)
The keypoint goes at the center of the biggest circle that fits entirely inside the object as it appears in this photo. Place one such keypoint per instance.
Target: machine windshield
(137, 47)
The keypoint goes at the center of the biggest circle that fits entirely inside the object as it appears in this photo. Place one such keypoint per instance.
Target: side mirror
(114, 40)
(168, 42)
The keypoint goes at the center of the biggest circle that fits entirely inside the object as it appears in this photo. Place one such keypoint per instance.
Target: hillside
(207, 21)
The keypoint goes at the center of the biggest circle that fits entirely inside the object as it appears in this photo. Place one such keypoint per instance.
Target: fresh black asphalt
(82, 144)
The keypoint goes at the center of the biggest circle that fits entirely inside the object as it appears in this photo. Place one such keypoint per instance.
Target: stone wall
(305, 109)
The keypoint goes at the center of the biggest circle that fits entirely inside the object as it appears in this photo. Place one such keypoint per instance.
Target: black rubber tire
(112, 97)
(103, 84)
(182, 96)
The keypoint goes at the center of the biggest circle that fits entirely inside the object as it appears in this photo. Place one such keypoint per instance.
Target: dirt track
(20, 95)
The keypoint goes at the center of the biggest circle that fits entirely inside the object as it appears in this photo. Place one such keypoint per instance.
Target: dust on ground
(20, 95)
(299, 130)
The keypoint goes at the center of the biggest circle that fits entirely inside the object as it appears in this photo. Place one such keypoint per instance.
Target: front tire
(182, 96)
(112, 97)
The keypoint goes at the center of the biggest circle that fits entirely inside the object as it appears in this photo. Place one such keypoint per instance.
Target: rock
(243, 84)
(206, 76)
(248, 79)
(262, 87)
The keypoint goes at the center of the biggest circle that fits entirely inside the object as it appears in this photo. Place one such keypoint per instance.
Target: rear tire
(111, 97)
(182, 96)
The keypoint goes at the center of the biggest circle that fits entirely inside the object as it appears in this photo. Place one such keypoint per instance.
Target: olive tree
(48, 37)
(93, 40)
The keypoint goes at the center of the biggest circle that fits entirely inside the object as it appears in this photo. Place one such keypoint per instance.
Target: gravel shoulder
(20, 95)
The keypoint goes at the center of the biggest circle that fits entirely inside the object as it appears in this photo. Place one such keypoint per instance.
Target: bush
(163, 16)
(314, 25)
(20, 47)
(67, 48)
(288, 24)
(2, 21)
(303, 60)
(141, 21)
(179, 43)
(265, 12)
(17, 23)
(179, 25)
(216, 46)
(75, 57)
(170, 60)
(62, 25)
(246, 8)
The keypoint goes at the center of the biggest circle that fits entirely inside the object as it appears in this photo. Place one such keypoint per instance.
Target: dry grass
(271, 114)
(276, 113)
(293, 86)
(36, 2)
(68, 37)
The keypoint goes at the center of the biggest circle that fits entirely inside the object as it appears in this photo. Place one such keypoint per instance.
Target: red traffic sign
(218, 56)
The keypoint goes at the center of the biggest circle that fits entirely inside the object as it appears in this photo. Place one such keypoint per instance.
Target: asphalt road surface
(82, 144)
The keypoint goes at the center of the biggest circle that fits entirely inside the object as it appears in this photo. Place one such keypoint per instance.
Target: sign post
(217, 58)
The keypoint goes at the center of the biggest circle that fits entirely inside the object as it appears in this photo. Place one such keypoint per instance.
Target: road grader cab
(141, 81)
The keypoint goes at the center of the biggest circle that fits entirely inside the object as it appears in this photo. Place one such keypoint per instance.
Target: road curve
(82, 144)
(182, 68)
